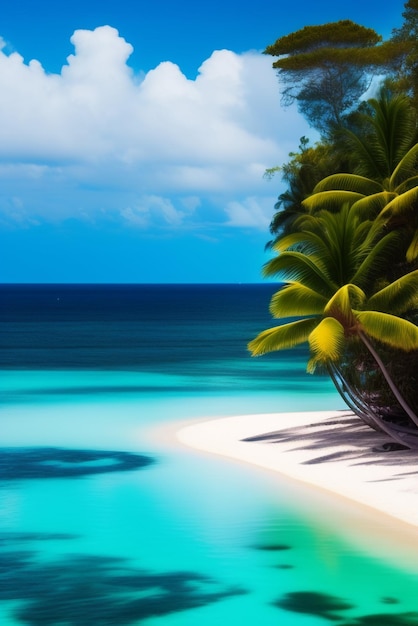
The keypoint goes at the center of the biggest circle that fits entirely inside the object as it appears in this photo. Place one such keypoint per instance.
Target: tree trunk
(388, 378)
(350, 397)
(402, 435)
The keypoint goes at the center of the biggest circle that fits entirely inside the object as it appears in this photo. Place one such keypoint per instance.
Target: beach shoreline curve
(330, 450)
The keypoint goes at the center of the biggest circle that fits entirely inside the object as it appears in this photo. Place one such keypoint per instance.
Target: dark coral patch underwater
(86, 590)
(42, 462)
(329, 607)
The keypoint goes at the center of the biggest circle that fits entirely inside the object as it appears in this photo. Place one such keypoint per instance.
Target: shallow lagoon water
(166, 535)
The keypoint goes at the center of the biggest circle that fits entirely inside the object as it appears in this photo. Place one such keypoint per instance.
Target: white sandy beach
(330, 450)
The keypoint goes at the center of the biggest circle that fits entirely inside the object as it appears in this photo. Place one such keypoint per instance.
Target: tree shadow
(344, 438)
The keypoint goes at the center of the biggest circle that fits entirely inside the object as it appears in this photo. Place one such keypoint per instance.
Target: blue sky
(134, 135)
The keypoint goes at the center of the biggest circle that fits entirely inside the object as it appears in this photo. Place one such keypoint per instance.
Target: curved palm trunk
(404, 436)
(388, 379)
(350, 397)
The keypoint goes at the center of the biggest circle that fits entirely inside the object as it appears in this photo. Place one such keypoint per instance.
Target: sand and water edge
(331, 451)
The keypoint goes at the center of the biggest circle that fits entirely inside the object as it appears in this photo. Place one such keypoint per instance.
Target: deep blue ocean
(106, 521)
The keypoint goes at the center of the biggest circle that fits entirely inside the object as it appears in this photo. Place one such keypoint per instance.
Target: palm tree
(384, 182)
(385, 134)
(331, 268)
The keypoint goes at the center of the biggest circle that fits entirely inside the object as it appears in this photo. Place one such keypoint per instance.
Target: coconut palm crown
(332, 270)
(384, 182)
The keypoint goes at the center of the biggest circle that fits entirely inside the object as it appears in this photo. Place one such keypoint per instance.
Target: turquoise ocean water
(105, 520)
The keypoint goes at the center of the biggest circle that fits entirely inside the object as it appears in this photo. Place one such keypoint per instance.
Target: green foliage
(344, 32)
(297, 300)
(404, 75)
(384, 182)
(326, 341)
(301, 174)
(398, 297)
(341, 305)
(321, 58)
(333, 249)
(346, 228)
(389, 329)
(388, 133)
(348, 182)
(327, 68)
(282, 337)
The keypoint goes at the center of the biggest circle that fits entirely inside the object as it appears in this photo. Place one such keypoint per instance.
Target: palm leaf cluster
(350, 276)
(384, 181)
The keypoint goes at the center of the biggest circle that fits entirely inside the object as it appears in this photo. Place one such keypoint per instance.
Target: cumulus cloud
(99, 140)
(251, 212)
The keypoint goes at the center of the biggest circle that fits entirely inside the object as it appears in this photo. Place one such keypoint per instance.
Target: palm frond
(412, 252)
(398, 297)
(389, 329)
(401, 205)
(296, 299)
(343, 302)
(294, 266)
(331, 200)
(362, 240)
(405, 168)
(327, 340)
(287, 242)
(392, 133)
(370, 206)
(282, 337)
(407, 184)
(368, 157)
(306, 242)
(313, 364)
(395, 119)
(327, 231)
(349, 182)
(338, 231)
(375, 258)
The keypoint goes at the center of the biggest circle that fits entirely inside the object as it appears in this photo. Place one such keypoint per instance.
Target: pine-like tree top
(344, 33)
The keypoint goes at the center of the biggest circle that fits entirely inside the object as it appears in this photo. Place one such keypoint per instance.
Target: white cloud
(152, 210)
(251, 212)
(96, 139)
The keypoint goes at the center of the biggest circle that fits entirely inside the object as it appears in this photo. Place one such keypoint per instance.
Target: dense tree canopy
(332, 271)
(302, 173)
(346, 228)
(383, 178)
(326, 69)
(404, 77)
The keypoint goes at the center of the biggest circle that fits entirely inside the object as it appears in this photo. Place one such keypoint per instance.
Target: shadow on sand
(344, 438)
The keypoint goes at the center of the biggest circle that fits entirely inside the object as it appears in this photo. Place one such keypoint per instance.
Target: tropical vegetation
(345, 246)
